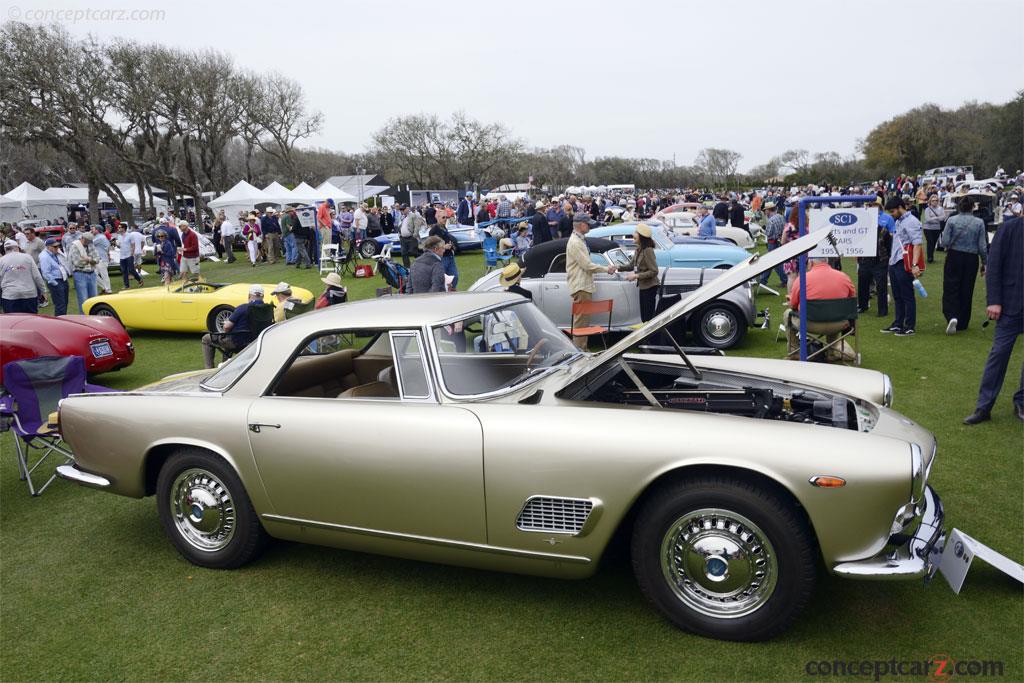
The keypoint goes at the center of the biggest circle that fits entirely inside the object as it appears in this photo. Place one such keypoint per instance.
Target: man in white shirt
(227, 235)
(359, 222)
(138, 248)
(126, 255)
(102, 245)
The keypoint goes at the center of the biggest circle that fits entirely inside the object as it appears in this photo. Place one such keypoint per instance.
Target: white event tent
(305, 194)
(35, 203)
(277, 193)
(242, 197)
(10, 211)
(329, 191)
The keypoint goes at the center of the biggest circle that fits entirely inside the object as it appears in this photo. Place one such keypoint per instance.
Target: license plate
(101, 350)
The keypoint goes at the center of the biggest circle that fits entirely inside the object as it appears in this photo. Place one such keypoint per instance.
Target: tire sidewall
(248, 535)
(211, 320)
(784, 530)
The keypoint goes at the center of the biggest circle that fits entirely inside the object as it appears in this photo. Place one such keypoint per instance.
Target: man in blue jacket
(1004, 281)
(464, 214)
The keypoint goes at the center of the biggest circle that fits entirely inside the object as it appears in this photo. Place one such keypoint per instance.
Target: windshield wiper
(523, 377)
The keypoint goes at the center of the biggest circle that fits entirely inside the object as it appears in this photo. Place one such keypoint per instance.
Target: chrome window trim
(415, 334)
(436, 359)
(259, 349)
(887, 393)
(917, 476)
(431, 540)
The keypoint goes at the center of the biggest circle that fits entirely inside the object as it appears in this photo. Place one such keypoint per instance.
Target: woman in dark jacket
(565, 221)
(644, 269)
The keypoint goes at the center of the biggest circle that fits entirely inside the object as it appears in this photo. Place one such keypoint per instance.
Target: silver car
(466, 429)
(721, 323)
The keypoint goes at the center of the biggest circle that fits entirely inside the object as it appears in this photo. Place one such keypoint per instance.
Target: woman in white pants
(253, 237)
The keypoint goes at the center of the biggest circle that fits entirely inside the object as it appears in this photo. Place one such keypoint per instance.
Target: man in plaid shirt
(504, 209)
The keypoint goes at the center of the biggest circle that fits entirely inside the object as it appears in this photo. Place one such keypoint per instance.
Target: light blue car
(677, 252)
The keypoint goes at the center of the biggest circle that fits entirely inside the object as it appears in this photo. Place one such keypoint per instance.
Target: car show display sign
(855, 231)
(961, 549)
(307, 216)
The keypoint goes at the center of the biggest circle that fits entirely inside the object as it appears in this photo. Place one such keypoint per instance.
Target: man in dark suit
(1004, 281)
(464, 215)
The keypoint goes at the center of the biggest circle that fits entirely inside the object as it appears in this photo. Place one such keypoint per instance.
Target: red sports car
(102, 342)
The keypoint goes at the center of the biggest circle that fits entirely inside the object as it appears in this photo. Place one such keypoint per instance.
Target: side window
(557, 264)
(411, 366)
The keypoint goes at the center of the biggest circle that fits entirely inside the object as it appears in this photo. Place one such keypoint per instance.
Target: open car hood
(734, 277)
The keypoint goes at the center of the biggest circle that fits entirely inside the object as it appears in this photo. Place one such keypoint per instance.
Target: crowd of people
(914, 221)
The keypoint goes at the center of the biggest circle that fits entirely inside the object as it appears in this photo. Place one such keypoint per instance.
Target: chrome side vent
(554, 515)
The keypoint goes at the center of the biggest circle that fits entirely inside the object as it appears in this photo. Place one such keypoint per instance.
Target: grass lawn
(91, 589)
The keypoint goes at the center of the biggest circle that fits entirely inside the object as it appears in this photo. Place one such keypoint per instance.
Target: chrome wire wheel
(719, 563)
(202, 510)
(221, 317)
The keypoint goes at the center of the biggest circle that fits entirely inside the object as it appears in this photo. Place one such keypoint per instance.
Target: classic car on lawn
(720, 323)
(684, 224)
(101, 342)
(187, 306)
(678, 252)
(732, 479)
(467, 238)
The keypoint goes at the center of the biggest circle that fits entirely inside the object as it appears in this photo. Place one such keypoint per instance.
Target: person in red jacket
(189, 250)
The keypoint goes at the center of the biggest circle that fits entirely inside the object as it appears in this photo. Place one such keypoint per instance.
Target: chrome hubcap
(718, 325)
(203, 511)
(719, 563)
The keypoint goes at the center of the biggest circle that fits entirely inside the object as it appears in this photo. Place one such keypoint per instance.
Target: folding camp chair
(35, 387)
(492, 259)
(591, 308)
(346, 260)
(261, 316)
(328, 258)
(830, 322)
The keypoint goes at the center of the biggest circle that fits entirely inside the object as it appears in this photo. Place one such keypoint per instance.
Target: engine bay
(675, 387)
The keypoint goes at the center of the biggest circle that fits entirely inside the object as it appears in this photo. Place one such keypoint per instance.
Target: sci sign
(855, 231)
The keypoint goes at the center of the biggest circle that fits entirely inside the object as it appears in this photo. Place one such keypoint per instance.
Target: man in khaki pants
(579, 270)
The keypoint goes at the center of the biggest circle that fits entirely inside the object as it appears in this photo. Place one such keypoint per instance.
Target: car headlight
(886, 391)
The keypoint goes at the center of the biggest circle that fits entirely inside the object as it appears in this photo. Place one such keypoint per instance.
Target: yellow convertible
(190, 306)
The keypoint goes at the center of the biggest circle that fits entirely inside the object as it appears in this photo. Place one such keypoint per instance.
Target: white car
(685, 224)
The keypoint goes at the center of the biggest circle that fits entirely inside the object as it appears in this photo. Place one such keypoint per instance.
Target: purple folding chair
(35, 388)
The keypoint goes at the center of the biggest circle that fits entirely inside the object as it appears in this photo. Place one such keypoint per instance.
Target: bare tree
(280, 110)
(718, 165)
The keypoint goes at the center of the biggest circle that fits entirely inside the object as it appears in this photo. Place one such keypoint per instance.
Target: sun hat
(251, 217)
(332, 279)
(282, 288)
(10, 244)
(643, 230)
(271, 209)
(540, 204)
(255, 290)
(510, 275)
(87, 236)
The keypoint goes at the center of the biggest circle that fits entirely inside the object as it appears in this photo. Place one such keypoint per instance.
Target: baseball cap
(10, 244)
(256, 290)
(281, 288)
(51, 241)
(584, 218)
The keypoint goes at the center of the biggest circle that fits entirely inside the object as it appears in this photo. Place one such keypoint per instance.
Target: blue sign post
(802, 208)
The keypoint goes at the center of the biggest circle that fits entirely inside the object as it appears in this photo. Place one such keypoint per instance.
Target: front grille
(557, 515)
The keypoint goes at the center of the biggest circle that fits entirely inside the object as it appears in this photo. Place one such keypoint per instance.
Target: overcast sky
(629, 78)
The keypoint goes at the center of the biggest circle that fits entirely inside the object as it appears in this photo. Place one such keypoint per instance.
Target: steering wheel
(533, 353)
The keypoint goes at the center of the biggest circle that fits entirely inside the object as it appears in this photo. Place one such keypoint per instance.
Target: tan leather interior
(370, 390)
(330, 375)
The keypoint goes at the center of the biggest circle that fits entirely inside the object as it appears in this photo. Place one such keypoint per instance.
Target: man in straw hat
(579, 270)
(509, 279)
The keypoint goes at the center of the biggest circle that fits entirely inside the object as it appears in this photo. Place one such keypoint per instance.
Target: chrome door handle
(186, 301)
(256, 426)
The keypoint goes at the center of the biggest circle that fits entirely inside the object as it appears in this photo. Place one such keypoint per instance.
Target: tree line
(80, 110)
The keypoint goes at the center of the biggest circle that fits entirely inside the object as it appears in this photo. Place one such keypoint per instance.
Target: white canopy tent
(10, 211)
(242, 197)
(80, 195)
(329, 191)
(278, 194)
(35, 203)
(303, 193)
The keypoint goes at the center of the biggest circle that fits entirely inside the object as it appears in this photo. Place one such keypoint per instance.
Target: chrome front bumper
(916, 558)
(72, 473)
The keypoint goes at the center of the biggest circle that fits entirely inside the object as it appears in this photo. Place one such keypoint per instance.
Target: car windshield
(499, 349)
(232, 369)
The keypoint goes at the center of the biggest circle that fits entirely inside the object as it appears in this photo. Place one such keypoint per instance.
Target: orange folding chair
(591, 308)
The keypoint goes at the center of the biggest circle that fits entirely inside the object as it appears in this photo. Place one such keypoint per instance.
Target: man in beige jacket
(579, 271)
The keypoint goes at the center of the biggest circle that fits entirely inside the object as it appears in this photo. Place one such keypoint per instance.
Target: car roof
(537, 259)
(397, 311)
